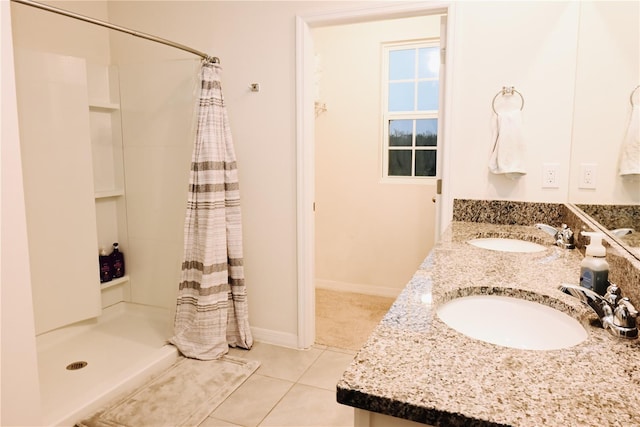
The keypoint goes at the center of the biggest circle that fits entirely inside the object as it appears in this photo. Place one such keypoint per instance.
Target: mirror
(621, 222)
(607, 72)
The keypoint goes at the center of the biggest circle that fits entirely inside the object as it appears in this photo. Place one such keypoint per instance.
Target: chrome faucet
(616, 313)
(619, 232)
(563, 236)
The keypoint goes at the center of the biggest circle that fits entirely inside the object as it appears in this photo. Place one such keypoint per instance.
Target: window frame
(387, 116)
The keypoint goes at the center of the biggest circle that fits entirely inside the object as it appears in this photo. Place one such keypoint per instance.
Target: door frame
(305, 174)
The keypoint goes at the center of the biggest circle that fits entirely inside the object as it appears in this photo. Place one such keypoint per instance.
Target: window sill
(406, 180)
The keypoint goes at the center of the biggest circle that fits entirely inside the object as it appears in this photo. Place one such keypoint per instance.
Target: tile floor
(291, 388)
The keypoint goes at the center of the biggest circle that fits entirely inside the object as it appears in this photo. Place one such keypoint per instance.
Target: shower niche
(108, 171)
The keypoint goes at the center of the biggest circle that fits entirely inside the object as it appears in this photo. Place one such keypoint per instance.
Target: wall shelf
(104, 106)
(115, 282)
(108, 171)
(108, 194)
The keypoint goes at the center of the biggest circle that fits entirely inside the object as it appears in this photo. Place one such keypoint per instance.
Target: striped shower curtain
(212, 311)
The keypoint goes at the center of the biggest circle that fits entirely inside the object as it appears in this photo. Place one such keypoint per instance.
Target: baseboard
(357, 288)
(269, 336)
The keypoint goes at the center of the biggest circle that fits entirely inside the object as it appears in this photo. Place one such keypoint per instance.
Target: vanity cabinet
(416, 367)
(108, 172)
(363, 418)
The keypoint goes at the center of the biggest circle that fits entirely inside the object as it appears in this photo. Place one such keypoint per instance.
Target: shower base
(122, 349)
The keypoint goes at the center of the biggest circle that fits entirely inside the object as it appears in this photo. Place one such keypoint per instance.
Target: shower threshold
(108, 357)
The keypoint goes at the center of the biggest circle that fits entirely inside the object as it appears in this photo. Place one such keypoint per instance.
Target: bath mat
(183, 395)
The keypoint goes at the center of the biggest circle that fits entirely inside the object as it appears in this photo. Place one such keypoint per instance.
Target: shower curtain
(212, 310)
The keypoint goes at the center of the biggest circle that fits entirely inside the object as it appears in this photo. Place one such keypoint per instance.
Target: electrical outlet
(588, 176)
(550, 175)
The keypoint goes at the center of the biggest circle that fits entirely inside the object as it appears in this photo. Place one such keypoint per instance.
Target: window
(411, 93)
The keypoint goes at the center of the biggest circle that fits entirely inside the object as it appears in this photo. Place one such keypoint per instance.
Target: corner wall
(20, 392)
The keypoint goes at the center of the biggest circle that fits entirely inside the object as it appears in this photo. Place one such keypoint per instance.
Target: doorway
(371, 230)
(309, 199)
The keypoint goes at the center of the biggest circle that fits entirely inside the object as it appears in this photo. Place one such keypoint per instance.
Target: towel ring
(633, 92)
(507, 90)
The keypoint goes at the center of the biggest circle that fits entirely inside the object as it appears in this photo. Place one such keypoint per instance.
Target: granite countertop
(415, 367)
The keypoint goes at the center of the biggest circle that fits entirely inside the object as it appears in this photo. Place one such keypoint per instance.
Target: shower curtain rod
(118, 28)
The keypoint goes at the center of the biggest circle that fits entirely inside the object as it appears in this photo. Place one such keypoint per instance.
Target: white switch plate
(588, 175)
(550, 175)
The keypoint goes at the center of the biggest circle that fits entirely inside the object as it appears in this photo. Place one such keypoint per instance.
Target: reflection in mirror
(607, 72)
(622, 223)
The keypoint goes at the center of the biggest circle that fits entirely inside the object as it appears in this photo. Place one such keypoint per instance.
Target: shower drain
(76, 365)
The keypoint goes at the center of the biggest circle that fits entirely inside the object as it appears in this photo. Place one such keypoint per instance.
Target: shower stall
(105, 151)
(113, 170)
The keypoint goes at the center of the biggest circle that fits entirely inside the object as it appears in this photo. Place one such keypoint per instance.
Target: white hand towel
(507, 156)
(630, 153)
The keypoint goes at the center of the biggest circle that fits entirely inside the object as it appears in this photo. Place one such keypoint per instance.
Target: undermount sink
(507, 245)
(512, 322)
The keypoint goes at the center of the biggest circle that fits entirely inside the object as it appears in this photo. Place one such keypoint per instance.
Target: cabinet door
(58, 183)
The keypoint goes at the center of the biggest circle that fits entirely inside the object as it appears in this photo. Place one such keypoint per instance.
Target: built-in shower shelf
(114, 282)
(105, 106)
(108, 194)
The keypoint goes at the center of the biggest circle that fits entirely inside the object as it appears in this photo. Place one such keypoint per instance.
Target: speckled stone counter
(416, 367)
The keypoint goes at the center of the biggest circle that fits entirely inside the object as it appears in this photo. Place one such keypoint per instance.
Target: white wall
(608, 70)
(45, 31)
(370, 235)
(20, 393)
(256, 43)
(529, 45)
(157, 104)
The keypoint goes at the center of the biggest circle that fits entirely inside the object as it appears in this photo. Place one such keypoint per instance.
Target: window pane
(402, 64)
(401, 96)
(427, 133)
(425, 163)
(428, 62)
(428, 96)
(399, 162)
(400, 133)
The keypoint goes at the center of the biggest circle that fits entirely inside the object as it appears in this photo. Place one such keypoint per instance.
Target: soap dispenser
(594, 268)
(105, 265)
(117, 262)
